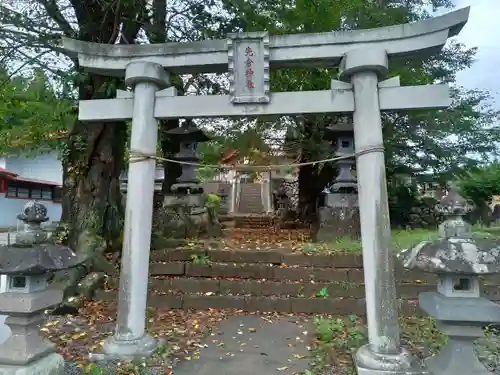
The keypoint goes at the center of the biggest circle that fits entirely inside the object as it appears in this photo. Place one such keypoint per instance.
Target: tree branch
(55, 14)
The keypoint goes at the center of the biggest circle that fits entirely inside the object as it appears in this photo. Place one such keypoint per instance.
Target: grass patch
(337, 337)
(401, 239)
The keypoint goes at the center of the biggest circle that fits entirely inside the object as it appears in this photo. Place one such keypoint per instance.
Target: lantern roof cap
(466, 256)
(188, 131)
(457, 250)
(33, 253)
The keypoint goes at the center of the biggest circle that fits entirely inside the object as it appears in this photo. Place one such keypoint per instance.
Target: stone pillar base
(369, 363)
(52, 364)
(126, 349)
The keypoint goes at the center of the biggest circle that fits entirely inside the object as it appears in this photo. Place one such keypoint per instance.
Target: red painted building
(23, 179)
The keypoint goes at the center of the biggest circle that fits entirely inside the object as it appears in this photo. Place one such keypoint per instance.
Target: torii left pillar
(130, 338)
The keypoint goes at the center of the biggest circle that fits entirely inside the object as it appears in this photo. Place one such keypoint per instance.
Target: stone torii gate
(363, 56)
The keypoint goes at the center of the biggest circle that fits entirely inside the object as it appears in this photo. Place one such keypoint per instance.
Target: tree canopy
(33, 116)
(440, 141)
(480, 184)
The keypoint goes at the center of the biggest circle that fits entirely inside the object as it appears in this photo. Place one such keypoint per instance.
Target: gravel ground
(488, 352)
(71, 369)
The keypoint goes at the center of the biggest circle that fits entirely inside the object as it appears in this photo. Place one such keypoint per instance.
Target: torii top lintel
(305, 50)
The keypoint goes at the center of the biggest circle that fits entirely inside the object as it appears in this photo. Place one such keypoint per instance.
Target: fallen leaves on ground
(264, 239)
(252, 238)
(76, 337)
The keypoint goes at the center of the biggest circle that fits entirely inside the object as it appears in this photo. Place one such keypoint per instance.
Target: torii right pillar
(383, 354)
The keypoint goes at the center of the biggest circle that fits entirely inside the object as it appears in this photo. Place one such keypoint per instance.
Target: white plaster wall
(9, 208)
(43, 167)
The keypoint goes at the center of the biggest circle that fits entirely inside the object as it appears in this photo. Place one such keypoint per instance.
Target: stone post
(232, 202)
(265, 189)
(383, 354)
(235, 191)
(130, 338)
(223, 194)
(4, 329)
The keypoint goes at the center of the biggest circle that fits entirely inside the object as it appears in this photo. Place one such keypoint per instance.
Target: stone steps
(253, 222)
(185, 293)
(272, 280)
(250, 199)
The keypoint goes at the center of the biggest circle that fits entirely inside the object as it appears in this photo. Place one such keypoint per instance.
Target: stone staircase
(250, 201)
(260, 221)
(272, 280)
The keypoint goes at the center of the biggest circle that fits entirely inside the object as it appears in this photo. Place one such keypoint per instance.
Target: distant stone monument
(363, 58)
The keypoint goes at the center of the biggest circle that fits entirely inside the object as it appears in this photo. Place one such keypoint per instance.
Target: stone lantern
(27, 295)
(188, 136)
(342, 136)
(340, 214)
(458, 306)
(187, 200)
(223, 193)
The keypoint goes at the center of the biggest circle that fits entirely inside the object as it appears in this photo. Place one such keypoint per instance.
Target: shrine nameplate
(248, 63)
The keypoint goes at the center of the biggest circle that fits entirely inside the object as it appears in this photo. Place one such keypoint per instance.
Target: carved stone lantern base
(339, 217)
(25, 352)
(461, 318)
(458, 356)
(52, 364)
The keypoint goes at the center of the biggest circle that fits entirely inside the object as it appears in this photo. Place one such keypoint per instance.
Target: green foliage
(213, 200)
(157, 363)
(342, 333)
(202, 259)
(441, 141)
(33, 117)
(322, 293)
(402, 198)
(481, 184)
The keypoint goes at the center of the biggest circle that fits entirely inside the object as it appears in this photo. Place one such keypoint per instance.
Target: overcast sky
(482, 31)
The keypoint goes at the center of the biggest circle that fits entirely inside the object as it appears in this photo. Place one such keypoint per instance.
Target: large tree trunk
(169, 149)
(92, 200)
(312, 180)
(92, 162)
(307, 190)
